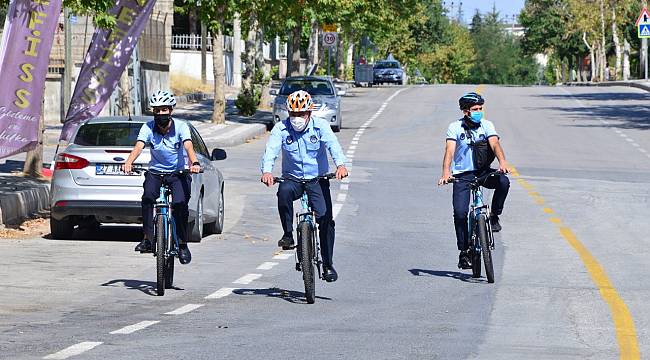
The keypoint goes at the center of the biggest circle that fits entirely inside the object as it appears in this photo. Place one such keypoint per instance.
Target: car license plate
(115, 169)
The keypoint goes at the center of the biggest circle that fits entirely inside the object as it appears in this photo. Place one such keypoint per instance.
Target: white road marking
(636, 145)
(350, 156)
(267, 265)
(623, 135)
(247, 279)
(628, 139)
(73, 350)
(352, 147)
(336, 209)
(354, 142)
(221, 293)
(184, 309)
(642, 150)
(341, 197)
(135, 327)
(283, 256)
(617, 131)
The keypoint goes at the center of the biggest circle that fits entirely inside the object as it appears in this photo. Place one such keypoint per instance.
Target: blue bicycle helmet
(470, 99)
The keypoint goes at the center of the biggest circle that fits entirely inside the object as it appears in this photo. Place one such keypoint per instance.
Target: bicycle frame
(477, 209)
(307, 215)
(162, 208)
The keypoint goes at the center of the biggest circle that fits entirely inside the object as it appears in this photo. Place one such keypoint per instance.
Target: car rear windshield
(108, 134)
(386, 65)
(313, 87)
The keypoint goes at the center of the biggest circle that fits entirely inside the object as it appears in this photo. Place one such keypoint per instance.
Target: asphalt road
(571, 262)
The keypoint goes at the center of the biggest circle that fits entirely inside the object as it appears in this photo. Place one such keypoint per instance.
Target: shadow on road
(447, 274)
(117, 233)
(630, 112)
(293, 297)
(147, 287)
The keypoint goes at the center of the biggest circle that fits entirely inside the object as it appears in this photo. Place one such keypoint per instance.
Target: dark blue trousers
(320, 201)
(461, 197)
(181, 187)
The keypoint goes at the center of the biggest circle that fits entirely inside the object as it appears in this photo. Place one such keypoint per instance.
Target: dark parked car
(388, 71)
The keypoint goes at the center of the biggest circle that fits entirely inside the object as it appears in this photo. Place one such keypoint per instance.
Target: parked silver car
(326, 97)
(89, 186)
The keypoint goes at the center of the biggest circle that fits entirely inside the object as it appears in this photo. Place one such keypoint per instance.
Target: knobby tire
(307, 254)
(485, 248)
(161, 248)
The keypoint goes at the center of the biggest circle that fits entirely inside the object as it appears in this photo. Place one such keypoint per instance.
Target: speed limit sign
(330, 39)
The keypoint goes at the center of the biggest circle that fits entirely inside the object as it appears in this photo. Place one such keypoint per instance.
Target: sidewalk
(640, 84)
(23, 198)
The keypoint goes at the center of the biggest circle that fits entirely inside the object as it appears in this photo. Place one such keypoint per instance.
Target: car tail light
(67, 161)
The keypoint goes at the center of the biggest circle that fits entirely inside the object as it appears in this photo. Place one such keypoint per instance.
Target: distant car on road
(326, 96)
(89, 186)
(388, 71)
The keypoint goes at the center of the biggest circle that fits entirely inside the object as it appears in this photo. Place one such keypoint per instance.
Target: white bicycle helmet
(162, 98)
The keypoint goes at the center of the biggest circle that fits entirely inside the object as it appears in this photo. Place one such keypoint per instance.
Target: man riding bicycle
(167, 139)
(304, 140)
(471, 145)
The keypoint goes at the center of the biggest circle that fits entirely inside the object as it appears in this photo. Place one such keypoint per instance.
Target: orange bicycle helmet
(299, 101)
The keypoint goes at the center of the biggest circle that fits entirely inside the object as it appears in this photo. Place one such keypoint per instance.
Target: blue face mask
(476, 116)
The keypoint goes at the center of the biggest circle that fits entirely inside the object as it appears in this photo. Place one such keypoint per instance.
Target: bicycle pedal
(298, 268)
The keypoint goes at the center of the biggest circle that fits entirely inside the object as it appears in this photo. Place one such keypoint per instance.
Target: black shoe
(286, 243)
(464, 261)
(494, 221)
(329, 274)
(144, 246)
(184, 254)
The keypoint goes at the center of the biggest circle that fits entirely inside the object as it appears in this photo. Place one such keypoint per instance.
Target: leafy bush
(248, 100)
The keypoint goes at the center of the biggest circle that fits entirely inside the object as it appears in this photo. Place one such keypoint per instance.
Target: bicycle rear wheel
(161, 249)
(485, 248)
(305, 238)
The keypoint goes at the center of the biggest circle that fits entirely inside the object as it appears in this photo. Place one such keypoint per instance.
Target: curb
(236, 135)
(21, 201)
(639, 85)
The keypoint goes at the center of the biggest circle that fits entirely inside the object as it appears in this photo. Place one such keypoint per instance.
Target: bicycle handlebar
(477, 179)
(328, 176)
(175, 172)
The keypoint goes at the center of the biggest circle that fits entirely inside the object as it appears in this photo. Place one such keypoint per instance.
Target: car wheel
(216, 227)
(61, 229)
(196, 226)
(336, 128)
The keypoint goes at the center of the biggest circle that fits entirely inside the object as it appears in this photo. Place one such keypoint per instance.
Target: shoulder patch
(289, 140)
(313, 139)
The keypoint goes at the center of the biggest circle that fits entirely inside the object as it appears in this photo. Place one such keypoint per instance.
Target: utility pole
(68, 63)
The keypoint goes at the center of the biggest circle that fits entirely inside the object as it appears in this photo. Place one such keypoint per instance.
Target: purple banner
(107, 57)
(26, 45)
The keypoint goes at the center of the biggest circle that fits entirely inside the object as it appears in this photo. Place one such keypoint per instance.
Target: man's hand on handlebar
(504, 168)
(446, 178)
(127, 167)
(341, 172)
(267, 179)
(195, 169)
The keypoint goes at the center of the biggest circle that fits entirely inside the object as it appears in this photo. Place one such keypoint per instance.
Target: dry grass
(182, 84)
(28, 229)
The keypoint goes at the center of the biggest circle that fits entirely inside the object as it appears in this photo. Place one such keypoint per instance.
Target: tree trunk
(340, 57)
(34, 158)
(603, 55)
(219, 104)
(312, 53)
(579, 67)
(265, 99)
(125, 108)
(296, 35)
(626, 59)
(249, 58)
(591, 56)
(617, 45)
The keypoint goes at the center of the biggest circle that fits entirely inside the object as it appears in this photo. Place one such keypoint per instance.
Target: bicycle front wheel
(485, 248)
(306, 263)
(161, 249)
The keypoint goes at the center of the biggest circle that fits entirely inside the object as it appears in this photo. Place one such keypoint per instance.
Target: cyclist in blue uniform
(304, 141)
(472, 144)
(170, 143)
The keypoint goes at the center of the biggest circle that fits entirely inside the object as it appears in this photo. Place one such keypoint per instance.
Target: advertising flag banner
(106, 59)
(26, 44)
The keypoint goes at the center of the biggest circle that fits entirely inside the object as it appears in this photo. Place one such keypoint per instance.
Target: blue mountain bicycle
(481, 239)
(308, 249)
(166, 246)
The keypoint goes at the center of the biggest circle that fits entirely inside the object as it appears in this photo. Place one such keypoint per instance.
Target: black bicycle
(166, 246)
(481, 239)
(308, 248)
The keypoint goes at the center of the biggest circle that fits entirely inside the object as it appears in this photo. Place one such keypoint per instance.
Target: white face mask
(298, 123)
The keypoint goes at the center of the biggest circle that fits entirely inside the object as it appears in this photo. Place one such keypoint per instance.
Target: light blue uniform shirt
(304, 154)
(167, 151)
(463, 156)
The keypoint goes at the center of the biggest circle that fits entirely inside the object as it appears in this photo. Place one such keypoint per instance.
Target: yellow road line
(623, 321)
